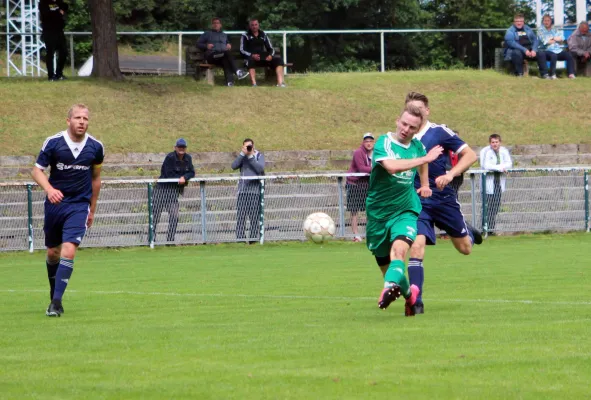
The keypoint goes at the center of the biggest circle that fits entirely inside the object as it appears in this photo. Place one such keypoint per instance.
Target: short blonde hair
(77, 106)
(414, 111)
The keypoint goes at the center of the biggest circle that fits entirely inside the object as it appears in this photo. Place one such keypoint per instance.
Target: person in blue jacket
(522, 43)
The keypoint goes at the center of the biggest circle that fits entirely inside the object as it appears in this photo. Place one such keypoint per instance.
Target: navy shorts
(444, 214)
(65, 223)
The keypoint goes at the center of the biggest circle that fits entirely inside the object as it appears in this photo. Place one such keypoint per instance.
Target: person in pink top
(357, 185)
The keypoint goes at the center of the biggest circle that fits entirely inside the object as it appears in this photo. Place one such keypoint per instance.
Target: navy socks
(416, 275)
(64, 272)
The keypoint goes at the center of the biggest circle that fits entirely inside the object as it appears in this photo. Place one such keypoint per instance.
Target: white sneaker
(357, 239)
(241, 74)
(552, 76)
(282, 85)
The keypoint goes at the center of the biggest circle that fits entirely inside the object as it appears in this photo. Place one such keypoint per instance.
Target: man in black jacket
(217, 48)
(256, 48)
(52, 22)
(177, 165)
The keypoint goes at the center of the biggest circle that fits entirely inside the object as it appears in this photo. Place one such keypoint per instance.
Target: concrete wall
(148, 164)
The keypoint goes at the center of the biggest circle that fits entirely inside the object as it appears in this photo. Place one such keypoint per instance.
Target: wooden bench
(197, 66)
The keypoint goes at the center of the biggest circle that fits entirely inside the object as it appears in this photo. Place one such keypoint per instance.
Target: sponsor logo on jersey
(63, 167)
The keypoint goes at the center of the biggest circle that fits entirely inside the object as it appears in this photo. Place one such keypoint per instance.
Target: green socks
(396, 274)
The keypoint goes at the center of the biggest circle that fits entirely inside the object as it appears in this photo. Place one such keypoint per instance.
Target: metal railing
(284, 34)
(221, 209)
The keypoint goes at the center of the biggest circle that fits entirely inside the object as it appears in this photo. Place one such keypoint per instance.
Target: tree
(104, 40)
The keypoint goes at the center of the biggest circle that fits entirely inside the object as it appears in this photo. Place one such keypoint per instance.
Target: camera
(249, 147)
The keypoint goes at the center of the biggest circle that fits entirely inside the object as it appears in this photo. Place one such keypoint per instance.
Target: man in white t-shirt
(496, 159)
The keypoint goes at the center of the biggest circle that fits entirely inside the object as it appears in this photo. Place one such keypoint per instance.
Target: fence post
(72, 64)
(262, 214)
(480, 61)
(586, 183)
(484, 205)
(180, 54)
(30, 217)
(203, 212)
(150, 216)
(285, 53)
(473, 197)
(341, 207)
(382, 55)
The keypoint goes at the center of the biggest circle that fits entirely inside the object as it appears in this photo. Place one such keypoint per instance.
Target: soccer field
(300, 321)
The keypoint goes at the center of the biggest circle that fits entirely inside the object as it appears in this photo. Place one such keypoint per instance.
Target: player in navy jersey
(74, 158)
(442, 209)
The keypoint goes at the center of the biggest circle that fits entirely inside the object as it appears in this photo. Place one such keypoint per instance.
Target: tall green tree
(104, 40)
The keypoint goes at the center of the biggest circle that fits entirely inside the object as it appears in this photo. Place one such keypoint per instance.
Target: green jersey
(390, 195)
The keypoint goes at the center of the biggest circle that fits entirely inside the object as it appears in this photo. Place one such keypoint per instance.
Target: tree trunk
(104, 40)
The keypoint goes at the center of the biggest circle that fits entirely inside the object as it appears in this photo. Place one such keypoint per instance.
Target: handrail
(230, 178)
(284, 33)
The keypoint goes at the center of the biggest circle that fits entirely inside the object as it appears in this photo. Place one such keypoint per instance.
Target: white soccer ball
(319, 227)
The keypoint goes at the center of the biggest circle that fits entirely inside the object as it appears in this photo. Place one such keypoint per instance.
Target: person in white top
(495, 158)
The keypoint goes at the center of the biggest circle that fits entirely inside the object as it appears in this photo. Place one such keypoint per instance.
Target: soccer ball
(319, 228)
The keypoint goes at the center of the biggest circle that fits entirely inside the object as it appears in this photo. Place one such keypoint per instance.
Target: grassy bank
(316, 111)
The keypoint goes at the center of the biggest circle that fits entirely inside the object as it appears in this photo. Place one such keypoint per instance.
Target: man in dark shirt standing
(74, 159)
(52, 22)
(256, 48)
(177, 165)
(216, 45)
(521, 42)
(251, 162)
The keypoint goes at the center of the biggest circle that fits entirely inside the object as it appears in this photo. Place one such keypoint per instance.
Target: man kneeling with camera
(251, 163)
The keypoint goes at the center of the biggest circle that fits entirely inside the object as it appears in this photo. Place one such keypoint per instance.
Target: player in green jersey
(393, 204)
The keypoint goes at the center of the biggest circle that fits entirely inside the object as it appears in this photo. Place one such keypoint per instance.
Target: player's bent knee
(54, 253)
(417, 250)
(68, 250)
(465, 249)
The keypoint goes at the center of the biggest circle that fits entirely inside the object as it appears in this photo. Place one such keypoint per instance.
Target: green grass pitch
(300, 321)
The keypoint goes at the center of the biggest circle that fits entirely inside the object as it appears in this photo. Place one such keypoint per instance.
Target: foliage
(325, 52)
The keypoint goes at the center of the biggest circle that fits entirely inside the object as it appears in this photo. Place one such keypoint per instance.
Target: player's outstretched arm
(96, 188)
(396, 166)
(424, 190)
(467, 157)
(53, 195)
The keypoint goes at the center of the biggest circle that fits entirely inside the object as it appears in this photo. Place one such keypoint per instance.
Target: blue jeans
(517, 58)
(562, 56)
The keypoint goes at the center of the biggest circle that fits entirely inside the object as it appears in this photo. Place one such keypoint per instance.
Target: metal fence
(181, 37)
(212, 210)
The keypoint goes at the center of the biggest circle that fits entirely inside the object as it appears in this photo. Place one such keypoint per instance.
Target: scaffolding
(23, 49)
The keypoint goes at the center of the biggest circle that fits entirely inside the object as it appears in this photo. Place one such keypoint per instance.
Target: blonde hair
(77, 106)
(414, 111)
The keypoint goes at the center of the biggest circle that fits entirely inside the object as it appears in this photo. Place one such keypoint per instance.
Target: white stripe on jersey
(98, 141)
(445, 128)
(388, 147)
(57, 135)
(430, 125)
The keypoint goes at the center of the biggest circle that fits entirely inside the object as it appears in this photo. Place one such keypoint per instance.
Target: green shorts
(381, 234)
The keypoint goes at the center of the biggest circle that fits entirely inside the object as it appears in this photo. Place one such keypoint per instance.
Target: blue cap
(181, 143)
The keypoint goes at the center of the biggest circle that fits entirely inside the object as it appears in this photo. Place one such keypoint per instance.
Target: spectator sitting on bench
(579, 43)
(520, 43)
(554, 45)
(217, 47)
(256, 48)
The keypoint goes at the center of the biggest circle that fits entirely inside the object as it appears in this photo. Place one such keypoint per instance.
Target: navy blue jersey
(71, 165)
(439, 135)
